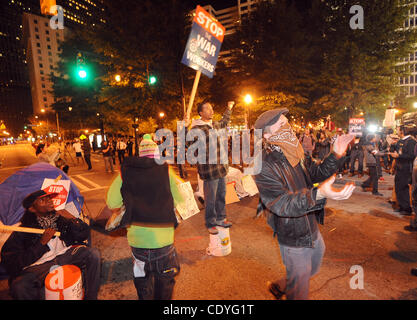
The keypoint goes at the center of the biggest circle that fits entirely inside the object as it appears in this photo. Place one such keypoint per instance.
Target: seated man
(28, 257)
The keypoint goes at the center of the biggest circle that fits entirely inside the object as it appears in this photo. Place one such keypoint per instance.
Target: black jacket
(292, 208)
(23, 249)
(404, 162)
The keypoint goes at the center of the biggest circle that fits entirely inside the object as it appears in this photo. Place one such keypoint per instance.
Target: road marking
(80, 185)
(13, 168)
(104, 187)
(95, 185)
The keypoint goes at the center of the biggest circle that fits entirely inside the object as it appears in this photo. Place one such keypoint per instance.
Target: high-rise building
(230, 18)
(409, 84)
(15, 87)
(42, 52)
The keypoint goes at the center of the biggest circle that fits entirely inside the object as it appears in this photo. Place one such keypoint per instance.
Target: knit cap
(148, 148)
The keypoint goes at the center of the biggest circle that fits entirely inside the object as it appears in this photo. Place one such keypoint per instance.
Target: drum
(220, 244)
(64, 283)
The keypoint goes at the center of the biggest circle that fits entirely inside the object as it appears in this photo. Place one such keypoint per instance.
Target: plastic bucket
(220, 244)
(64, 283)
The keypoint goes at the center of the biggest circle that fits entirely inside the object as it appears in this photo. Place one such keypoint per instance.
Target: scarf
(287, 141)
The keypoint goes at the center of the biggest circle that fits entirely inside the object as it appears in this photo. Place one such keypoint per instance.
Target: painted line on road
(95, 185)
(95, 189)
(81, 186)
(13, 168)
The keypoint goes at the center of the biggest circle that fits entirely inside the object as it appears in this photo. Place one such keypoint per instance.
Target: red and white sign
(357, 121)
(204, 19)
(61, 187)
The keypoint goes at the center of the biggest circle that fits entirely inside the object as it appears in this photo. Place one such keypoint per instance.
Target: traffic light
(82, 73)
(152, 80)
(25, 127)
(81, 68)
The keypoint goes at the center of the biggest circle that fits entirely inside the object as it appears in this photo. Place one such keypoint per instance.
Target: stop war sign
(61, 187)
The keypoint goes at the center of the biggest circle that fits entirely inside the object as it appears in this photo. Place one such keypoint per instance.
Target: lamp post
(135, 128)
(248, 100)
(161, 119)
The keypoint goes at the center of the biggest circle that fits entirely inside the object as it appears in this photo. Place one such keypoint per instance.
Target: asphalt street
(363, 236)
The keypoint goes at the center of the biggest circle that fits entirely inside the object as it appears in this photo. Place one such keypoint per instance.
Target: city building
(15, 86)
(230, 18)
(42, 54)
(409, 84)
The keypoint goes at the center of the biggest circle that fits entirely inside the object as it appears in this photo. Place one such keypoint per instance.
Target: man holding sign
(28, 257)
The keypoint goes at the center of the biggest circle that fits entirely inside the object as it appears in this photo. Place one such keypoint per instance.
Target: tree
(304, 54)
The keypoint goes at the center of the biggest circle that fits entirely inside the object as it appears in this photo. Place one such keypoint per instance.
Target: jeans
(154, 271)
(301, 264)
(356, 154)
(30, 284)
(215, 201)
(108, 163)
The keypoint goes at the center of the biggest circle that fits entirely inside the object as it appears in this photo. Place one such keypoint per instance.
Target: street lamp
(43, 110)
(248, 100)
(69, 108)
(117, 78)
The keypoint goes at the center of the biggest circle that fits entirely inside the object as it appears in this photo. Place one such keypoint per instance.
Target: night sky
(217, 4)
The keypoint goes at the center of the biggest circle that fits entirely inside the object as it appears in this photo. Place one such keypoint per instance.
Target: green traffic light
(152, 80)
(82, 74)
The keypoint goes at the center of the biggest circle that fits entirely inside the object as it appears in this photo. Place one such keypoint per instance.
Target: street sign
(61, 187)
(204, 42)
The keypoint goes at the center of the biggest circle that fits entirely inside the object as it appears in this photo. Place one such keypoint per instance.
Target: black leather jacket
(292, 210)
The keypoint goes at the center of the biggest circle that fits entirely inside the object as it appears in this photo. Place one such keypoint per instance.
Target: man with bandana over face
(294, 202)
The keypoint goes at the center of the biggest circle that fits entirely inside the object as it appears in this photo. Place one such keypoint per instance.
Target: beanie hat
(148, 148)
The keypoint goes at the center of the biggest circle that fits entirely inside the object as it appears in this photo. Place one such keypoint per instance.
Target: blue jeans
(215, 201)
(154, 271)
(301, 264)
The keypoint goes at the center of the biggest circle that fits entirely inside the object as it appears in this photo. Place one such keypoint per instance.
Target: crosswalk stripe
(95, 185)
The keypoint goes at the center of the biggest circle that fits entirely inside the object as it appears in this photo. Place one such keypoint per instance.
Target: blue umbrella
(16, 187)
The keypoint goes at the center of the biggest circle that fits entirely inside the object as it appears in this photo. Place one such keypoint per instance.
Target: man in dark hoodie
(148, 191)
(28, 257)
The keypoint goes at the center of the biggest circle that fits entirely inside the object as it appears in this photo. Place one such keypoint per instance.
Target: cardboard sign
(249, 185)
(61, 187)
(204, 42)
(189, 206)
(356, 126)
(231, 195)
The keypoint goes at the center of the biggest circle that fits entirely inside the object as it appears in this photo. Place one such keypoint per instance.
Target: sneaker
(213, 230)
(377, 194)
(275, 289)
(410, 228)
(414, 272)
(225, 223)
(340, 176)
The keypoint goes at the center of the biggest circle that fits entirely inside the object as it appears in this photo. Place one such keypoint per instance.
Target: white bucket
(220, 244)
(64, 283)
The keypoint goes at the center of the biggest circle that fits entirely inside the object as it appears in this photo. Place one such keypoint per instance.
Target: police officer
(404, 156)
